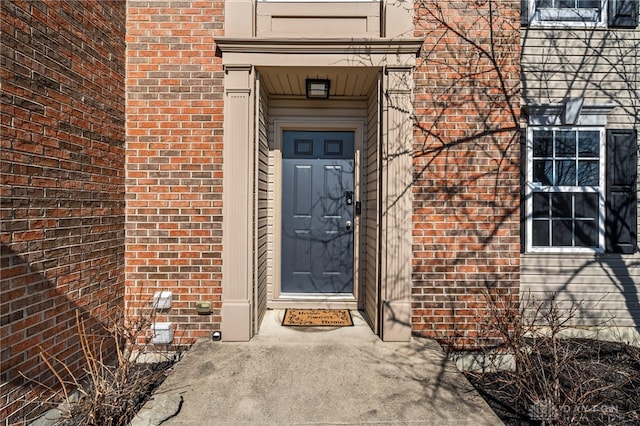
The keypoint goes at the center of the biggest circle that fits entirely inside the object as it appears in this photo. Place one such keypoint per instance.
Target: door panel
(302, 253)
(317, 212)
(301, 193)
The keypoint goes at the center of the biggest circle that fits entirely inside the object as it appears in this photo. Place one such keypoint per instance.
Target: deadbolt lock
(348, 197)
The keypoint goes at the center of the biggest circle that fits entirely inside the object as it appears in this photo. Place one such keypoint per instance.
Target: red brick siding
(174, 161)
(62, 176)
(466, 167)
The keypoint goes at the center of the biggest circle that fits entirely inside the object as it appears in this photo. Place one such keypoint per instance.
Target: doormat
(317, 318)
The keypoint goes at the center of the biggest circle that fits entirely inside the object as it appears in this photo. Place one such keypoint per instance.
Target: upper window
(320, 1)
(567, 12)
(565, 189)
(579, 181)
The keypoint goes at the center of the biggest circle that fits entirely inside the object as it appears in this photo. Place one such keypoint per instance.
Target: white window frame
(530, 188)
(535, 21)
(319, 1)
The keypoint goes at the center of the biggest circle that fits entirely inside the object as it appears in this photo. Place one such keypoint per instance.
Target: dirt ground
(598, 383)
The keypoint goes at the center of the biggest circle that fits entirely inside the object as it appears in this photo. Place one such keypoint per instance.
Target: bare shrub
(553, 379)
(109, 391)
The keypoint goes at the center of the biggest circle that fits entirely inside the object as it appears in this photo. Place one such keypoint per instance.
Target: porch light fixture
(318, 89)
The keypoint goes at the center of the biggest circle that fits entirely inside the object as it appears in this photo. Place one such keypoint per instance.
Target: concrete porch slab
(345, 376)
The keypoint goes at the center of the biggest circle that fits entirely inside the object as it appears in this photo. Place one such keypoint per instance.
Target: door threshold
(314, 301)
(317, 296)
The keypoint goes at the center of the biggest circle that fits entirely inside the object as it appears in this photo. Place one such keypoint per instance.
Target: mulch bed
(118, 401)
(607, 375)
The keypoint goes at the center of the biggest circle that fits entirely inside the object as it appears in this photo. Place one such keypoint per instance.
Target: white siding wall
(370, 215)
(262, 215)
(603, 67)
(607, 286)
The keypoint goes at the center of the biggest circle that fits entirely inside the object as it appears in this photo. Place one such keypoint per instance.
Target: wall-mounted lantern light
(318, 89)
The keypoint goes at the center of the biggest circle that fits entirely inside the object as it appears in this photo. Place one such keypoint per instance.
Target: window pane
(571, 4)
(562, 205)
(540, 237)
(589, 144)
(333, 147)
(586, 233)
(588, 173)
(540, 205)
(561, 231)
(589, 4)
(568, 10)
(542, 143)
(543, 172)
(566, 173)
(544, 3)
(565, 143)
(566, 3)
(586, 205)
(303, 147)
(563, 159)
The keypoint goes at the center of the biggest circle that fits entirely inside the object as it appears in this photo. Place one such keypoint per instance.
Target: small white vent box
(162, 300)
(162, 333)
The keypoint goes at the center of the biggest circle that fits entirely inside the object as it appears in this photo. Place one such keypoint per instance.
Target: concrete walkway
(311, 376)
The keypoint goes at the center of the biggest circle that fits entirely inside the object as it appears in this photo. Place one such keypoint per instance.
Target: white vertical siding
(370, 201)
(262, 213)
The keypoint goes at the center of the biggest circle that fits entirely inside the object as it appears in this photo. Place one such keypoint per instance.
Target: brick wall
(62, 176)
(174, 161)
(466, 167)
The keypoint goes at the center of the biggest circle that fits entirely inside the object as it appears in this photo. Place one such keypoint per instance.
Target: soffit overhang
(320, 52)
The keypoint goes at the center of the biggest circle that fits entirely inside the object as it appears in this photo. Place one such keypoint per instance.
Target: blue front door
(317, 212)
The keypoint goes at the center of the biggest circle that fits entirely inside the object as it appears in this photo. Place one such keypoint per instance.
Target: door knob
(348, 225)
